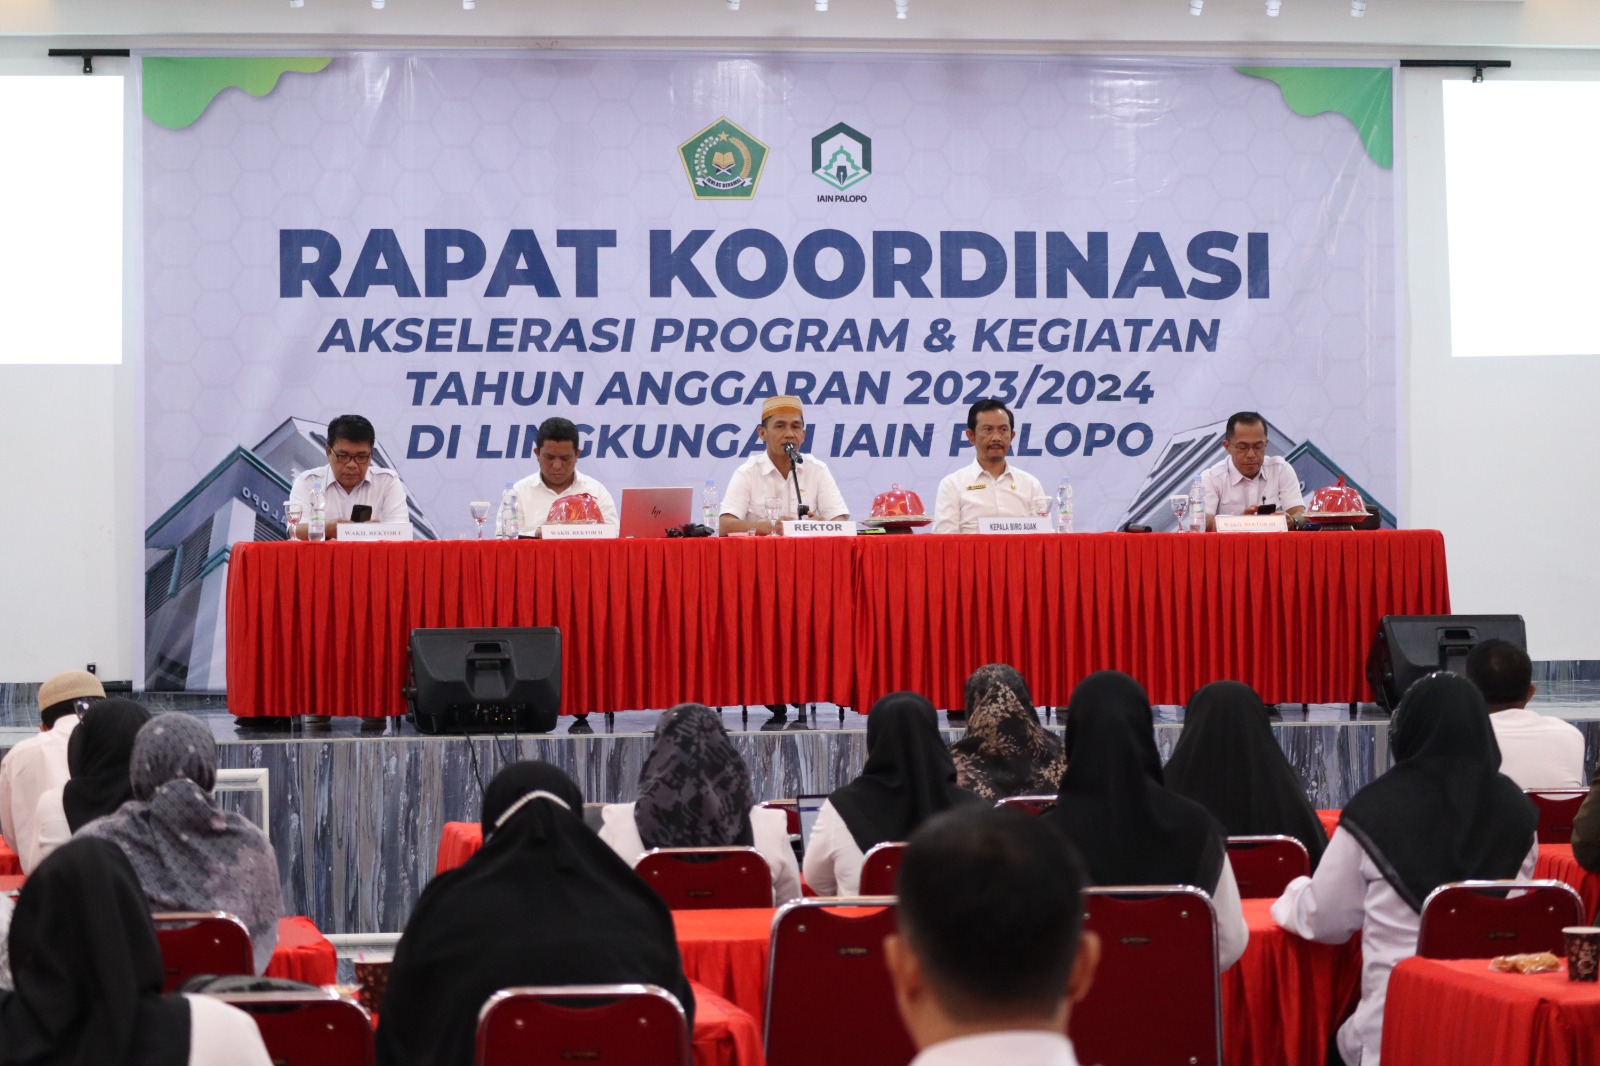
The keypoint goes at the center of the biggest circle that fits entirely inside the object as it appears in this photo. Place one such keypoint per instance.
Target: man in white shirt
(39, 763)
(1249, 478)
(350, 481)
(988, 487)
(1536, 750)
(557, 452)
(1002, 992)
(771, 474)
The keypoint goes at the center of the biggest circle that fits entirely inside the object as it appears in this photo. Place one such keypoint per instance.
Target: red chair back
(1028, 804)
(791, 812)
(1158, 944)
(1264, 865)
(691, 879)
(556, 1026)
(880, 866)
(197, 942)
(1476, 920)
(833, 947)
(1557, 808)
(310, 1028)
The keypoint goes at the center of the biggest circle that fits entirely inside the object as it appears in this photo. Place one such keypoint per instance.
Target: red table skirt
(9, 863)
(303, 954)
(723, 1034)
(458, 842)
(1451, 1012)
(1556, 861)
(1282, 1000)
(322, 628)
(726, 950)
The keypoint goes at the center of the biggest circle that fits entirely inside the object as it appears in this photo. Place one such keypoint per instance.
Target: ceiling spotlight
(377, 5)
(1358, 8)
(822, 5)
(469, 5)
(1273, 7)
(297, 3)
(1196, 6)
(901, 8)
(733, 5)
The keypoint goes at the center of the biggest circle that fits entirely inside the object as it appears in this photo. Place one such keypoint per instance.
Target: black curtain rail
(89, 55)
(1477, 66)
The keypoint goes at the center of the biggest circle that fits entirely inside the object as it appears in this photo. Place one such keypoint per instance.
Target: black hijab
(909, 775)
(544, 902)
(1228, 762)
(87, 969)
(1443, 812)
(694, 788)
(98, 754)
(1129, 828)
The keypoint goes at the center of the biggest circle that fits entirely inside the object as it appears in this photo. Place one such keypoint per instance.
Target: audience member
(991, 953)
(6, 908)
(38, 764)
(908, 777)
(1129, 828)
(88, 977)
(544, 902)
(1536, 750)
(97, 756)
(1442, 813)
(1228, 761)
(1005, 751)
(189, 854)
(695, 792)
(1586, 827)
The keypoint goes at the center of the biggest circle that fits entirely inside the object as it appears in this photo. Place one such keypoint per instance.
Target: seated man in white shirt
(1000, 992)
(557, 452)
(1537, 751)
(1249, 478)
(39, 763)
(770, 475)
(988, 487)
(350, 480)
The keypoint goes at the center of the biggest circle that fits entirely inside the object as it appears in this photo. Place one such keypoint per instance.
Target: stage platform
(356, 815)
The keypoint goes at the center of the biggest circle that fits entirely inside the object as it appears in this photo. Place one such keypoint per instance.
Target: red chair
(1264, 865)
(791, 811)
(1557, 808)
(1477, 920)
(310, 1028)
(556, 1026)
(692, 879)
(833, 948)
(1028, 804)
(197, 942)
(1158, 945)
(879, 868)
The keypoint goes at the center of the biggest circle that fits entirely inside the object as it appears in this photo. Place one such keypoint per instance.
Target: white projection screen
(61, 219)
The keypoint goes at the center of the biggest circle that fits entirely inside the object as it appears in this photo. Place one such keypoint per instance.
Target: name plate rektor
(1009, 526)
(370, 531)
(586, 531)
(809, 528)
(1252, 523)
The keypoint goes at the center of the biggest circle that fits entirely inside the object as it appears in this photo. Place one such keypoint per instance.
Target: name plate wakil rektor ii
(578, 531)
(810, 528)
(374, 531)
(1252, 523)
(1024, 524)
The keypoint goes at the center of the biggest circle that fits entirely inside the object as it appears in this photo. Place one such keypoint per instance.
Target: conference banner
(458, 246)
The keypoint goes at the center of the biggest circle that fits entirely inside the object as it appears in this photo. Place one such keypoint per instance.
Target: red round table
(303, 953)
(723, 1034)
(1282, 999)
(727, 952)
(1556, 861)
(9, 863)
(458, 842)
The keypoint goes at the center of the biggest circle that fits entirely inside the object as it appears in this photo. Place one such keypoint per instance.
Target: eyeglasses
(1257, 448)
(359, 458)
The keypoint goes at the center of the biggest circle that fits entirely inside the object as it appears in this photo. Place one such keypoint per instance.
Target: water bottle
(510, 525)
(317, 524)
(708, 504)
(1064, 505)
(1197, 505)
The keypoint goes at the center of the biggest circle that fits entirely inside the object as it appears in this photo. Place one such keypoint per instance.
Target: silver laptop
(809, 807)
(651, 512)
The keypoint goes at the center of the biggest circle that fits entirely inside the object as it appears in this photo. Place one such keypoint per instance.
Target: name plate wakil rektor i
(1252, 523)
(374, 531)
(578, 531)
(1024, 524)
(809, 528)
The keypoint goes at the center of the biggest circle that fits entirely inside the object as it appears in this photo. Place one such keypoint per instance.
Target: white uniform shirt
(757, 480)
(1345, 896)
(32, 768)
(536, 498)
(1538, 751)
(972, 493)
(1230, 492)
(769, 828)
(833, 859)
(221, 1034)
(1015, 1047)
(50, 829)
(380, 489)
(1233, 932)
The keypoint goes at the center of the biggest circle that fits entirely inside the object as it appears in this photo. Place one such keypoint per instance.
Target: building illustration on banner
(841, 156)
(187, 551)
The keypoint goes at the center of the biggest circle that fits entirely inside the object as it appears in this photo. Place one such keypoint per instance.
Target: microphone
(794, 454)
(795, 459)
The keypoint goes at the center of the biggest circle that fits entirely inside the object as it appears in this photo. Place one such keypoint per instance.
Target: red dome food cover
(578, 508)
(897, 503)
(1337, 500)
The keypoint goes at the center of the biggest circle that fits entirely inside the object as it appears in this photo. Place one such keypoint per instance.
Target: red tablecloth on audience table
(9, 863)
(1329, 820)
(322, 628)
(723, 1034)
(1556, 861)
(1452, 1012)
(726, 950)
(1281, 1000)
(303, 953)
(458, 842)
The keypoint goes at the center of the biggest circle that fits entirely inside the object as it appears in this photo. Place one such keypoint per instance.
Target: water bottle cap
(510, 485)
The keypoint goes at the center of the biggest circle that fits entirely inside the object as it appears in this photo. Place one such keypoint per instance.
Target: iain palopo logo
(841, 157)
(723, 162)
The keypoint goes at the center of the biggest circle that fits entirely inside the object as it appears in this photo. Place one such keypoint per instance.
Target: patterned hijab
(190, 854)
(694, 789)
(1005, 751)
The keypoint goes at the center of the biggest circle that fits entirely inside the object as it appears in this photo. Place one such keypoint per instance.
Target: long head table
(322, 628)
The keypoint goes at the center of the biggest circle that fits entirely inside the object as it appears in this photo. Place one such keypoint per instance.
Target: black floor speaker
(1409, 646)
(485, 680)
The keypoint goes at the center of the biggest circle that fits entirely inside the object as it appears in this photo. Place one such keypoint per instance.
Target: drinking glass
(1041, 507)
(1180, 507)
(772, 510)
(292, 512)
(480, 511)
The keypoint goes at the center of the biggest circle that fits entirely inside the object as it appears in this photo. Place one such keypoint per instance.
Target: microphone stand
(795, 459)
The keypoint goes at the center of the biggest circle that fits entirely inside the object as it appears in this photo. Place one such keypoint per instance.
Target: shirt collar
(1035, 1047)
(330, 480)
(767, 466)
(976, 471)
(1236, 476)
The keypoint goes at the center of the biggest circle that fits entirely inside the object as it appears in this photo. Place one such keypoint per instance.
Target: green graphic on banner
(178, 89)
(723, 162)
(1364, 95)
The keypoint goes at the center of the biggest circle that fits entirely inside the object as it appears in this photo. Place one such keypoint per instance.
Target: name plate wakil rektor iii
(1024, 524)
(374, 531)
(810, 528)
(579, 531)
(1252, 523)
